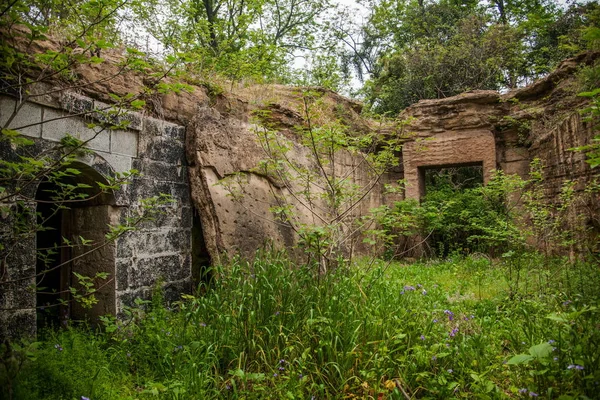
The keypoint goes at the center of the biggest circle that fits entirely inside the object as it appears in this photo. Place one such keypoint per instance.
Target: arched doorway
(73, 217)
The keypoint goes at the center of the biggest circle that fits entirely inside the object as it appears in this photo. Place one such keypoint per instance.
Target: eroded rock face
(223, 145)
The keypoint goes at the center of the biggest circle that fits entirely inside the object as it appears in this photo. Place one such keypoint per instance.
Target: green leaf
(520, 359)
(541, 350)
(138, 104)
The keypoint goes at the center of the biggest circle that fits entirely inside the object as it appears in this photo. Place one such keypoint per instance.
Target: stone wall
(507, 132)
(157, 252)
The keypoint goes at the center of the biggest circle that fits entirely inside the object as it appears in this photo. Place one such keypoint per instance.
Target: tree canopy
(436, 49)
(400, 51)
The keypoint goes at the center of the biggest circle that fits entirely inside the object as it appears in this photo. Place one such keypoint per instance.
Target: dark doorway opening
(453, 178)
(73, 215)
(453, 190)
(202, 273)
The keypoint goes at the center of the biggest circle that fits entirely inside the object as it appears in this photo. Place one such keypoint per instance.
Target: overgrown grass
(269, 329)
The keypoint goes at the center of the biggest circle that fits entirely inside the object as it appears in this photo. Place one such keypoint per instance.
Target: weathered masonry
(158, 252)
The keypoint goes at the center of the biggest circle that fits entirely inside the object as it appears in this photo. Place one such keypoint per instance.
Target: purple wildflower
(58, 347)
(435, 321)
(450, 315)
(450, 371)
(275, 375)
(424, 292)
(409, 288)
(532, 394)
(85, 398)
(422, 337)
(551, 341)
(575, 366)
(523, 390)
(453, 332)
(203, 324)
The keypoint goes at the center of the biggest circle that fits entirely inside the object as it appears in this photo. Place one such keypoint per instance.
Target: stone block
(162, 149)
(127, 298)
(57, 124)
(170, 216)
(124, 142)
(113, 115)
(122, 272)
(76, 104)
(17, 324)
(28, 120)
(172, 292)
(187, 217)
(145, 243)
(148, 271)
(157, 127)
(142, 188)
(46, 94)
(118, 162)
(512, 154)
(134, 120)
(160, 170)
(175, 132)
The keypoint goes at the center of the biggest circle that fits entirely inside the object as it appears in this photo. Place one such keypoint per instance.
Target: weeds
(268, 329)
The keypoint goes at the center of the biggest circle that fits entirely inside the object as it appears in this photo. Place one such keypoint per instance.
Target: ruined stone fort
(183, 144)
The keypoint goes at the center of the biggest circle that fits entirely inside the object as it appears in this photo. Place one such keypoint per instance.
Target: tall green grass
(460, 328)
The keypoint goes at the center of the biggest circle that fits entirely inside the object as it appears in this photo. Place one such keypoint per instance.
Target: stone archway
(71, 242)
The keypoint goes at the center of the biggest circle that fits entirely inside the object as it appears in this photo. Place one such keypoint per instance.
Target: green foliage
(423, 50)
(267, 329)
(236, 39)
(508, 215)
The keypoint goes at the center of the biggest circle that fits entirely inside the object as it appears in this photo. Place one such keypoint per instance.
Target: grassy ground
(464, 328)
